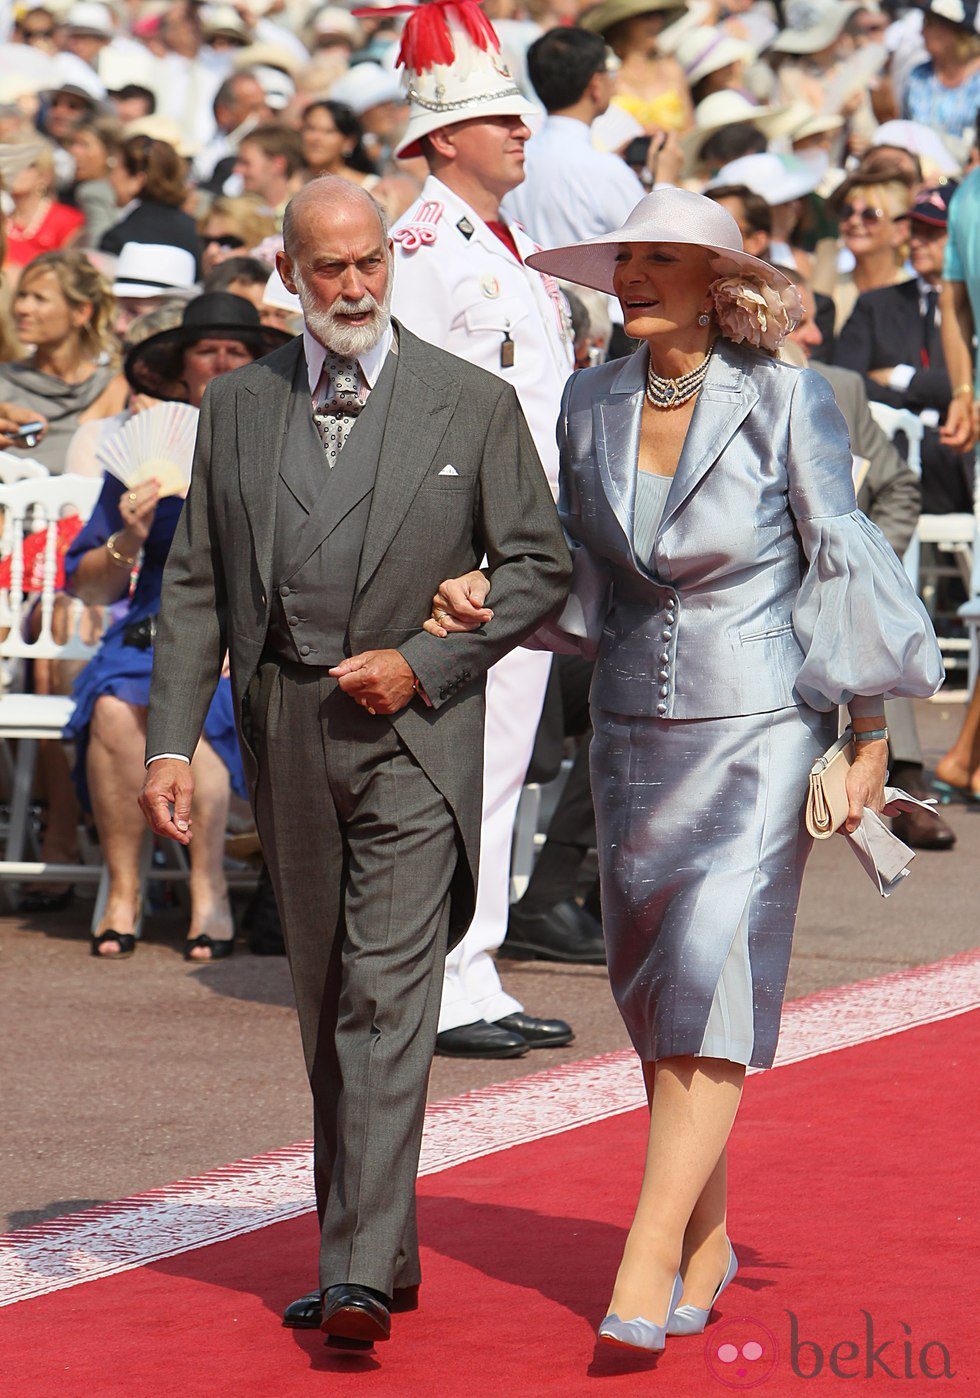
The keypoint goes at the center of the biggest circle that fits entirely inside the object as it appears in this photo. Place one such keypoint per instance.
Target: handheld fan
(156, 443)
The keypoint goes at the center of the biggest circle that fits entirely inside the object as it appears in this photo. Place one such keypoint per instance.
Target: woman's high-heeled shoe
(691, 1320)
(639, 1333)
(948, 793)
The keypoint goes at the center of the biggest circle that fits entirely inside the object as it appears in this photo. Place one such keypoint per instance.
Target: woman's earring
(703, 318)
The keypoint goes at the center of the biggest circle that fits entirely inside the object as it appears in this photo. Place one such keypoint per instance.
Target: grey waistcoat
(321, 517)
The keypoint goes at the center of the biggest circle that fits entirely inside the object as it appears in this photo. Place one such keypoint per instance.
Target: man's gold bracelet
(962, 388)
(120, 559)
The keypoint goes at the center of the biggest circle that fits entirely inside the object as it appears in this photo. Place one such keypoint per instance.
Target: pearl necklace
(672, 393)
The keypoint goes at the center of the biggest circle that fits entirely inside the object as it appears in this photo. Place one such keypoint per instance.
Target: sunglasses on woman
(227, 240)
(869, 217)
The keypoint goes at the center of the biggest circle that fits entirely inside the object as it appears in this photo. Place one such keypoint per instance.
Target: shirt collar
(569, 128)
(370, 361)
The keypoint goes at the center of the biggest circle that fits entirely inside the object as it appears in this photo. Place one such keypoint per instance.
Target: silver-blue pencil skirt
(702, 846)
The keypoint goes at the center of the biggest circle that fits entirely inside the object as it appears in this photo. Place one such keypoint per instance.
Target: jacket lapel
(263, 401)
(727, 398)
(422, 402)
(616, 425)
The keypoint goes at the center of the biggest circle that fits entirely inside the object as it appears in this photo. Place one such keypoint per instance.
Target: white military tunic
(458, 286)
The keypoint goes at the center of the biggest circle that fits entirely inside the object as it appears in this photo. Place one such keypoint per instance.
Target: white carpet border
(252, 1194)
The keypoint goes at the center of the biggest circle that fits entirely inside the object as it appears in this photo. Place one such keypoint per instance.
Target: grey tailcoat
(423, 526)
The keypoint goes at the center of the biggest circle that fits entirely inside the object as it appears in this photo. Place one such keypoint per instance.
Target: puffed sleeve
(863, 630)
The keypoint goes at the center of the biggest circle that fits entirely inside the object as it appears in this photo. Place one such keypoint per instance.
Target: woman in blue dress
(944, 92)
(130, 531)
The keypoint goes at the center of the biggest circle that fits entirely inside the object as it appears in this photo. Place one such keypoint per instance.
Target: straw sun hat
(754, 303)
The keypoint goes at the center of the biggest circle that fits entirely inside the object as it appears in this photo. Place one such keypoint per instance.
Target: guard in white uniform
(462, 284)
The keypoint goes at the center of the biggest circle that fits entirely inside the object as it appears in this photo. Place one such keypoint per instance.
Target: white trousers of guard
(515, 697)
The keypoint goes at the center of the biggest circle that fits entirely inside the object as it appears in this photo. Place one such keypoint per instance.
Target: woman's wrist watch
(870, 735)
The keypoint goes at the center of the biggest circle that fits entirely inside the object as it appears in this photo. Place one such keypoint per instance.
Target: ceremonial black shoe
(537, 1033)
(307, 1312)
(355, 1317)
(481, 1040)
(565, 932)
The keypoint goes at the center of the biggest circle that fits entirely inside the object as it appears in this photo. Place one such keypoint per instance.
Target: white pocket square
(449, 471)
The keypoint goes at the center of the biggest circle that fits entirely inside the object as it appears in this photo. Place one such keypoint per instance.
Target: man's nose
(352, 284)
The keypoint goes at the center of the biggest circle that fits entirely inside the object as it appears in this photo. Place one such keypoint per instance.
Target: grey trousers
(903, 734)
(362, 849)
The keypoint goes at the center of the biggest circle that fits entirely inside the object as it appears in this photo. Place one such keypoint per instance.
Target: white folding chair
(30, 506)
(969, 613)
(20, 468)
(952, 534)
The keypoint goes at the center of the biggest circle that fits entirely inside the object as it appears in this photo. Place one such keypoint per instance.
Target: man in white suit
(462, 284)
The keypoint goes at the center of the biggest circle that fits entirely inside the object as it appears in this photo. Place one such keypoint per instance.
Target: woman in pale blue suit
(733, 597)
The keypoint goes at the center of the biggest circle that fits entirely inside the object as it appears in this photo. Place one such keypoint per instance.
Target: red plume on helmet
(427, 38)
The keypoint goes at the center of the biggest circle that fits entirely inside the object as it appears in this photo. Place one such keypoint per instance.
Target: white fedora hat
(708, 50)
(154, 269)
(729, 108)
(454, 71)
(367, 85)
(778, 179)
(664, 216)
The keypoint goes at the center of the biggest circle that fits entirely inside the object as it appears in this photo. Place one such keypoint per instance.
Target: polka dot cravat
(334, 418)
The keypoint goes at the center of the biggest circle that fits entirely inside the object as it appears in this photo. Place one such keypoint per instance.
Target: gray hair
(326, 189)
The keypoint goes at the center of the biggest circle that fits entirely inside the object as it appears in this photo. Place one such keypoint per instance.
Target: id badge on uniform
(507, 351)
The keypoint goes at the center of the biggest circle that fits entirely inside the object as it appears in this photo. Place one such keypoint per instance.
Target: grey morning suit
(725, 633)
(370, 825)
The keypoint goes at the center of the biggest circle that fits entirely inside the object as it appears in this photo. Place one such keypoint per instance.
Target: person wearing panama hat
(733, 596)
(722, 110)
(713, 61)
(650, 85)
(219, 327)
(944, 92)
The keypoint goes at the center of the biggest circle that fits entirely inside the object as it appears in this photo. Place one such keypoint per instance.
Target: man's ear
(284, 266)
(441, 143)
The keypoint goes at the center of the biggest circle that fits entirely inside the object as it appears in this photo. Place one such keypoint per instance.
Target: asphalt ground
(120, 1077)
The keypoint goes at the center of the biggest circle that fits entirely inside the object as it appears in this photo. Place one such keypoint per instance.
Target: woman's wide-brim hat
(608, 13)
(674, 216)
(156, 366)
(709, 50)
(963, 14)
(812, 25)
(454, 71)
(728, 108)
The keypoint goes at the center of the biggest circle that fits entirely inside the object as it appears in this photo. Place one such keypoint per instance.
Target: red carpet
(854, 1186)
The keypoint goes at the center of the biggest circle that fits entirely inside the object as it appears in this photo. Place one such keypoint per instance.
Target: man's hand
(959, 431)
(882, 376)
(458, 605)
(165, 800)
(13, 417)
(381, 681)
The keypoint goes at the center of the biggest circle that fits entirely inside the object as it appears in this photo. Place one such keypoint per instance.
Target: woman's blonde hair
(81, 285)
(894, 196)
(247, 215)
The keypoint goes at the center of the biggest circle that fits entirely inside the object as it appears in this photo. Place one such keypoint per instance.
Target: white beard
(349, 341)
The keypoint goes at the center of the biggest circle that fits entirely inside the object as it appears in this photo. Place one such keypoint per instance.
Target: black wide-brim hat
(156, 365)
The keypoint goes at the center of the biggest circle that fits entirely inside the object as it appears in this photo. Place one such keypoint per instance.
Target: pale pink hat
(663, 216)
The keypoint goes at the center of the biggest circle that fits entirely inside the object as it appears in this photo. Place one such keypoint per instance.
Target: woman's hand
(866, 781)
(12, 418)
(458, 605)
(138, 509)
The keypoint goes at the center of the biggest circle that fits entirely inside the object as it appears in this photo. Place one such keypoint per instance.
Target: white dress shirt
(371, 361)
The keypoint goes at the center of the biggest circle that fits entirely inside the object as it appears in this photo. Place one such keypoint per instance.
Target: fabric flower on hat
(750, 312)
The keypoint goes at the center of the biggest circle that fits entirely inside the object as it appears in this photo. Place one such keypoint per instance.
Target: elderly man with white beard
(336, 483)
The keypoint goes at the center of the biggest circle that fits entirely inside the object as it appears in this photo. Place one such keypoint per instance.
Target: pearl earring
(703, 318)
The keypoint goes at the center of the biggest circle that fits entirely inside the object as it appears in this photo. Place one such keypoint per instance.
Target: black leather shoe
(355, 1313)
(537, 1033)
(481, 1040)
(307, 1312)
(921, 831)
(565, 932)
